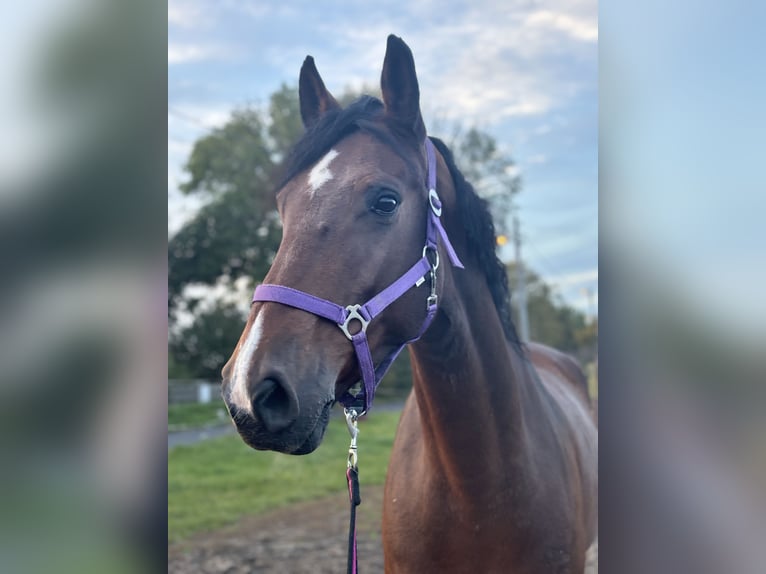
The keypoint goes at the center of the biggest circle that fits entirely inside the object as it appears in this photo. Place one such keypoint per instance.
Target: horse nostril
(275, 405)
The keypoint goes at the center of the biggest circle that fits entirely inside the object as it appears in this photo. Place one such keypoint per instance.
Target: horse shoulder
(549, 359)
(564, 387)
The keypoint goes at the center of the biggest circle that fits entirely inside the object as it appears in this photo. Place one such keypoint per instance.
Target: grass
(216, 482)
(196, 415)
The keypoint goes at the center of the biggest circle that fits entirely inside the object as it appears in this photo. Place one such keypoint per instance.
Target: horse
(494, 462)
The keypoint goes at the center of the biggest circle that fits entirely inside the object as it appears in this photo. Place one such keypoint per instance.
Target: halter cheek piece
(345, 317)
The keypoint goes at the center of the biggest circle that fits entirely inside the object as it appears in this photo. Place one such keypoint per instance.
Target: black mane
(480, 232)
(367, 113)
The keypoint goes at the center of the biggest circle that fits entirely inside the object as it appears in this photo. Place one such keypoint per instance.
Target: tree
(237, 232)
(492, 172)
(202, 348)
(285, 125)
(551, 321)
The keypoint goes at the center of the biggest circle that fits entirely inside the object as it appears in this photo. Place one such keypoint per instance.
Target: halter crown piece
(415, 276)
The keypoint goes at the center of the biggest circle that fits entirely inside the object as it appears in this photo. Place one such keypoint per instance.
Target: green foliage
(205, 345)
(479, 156)
(553, 322)
(178, 370)
(489, 170)
(230, 237)
(216, 482)
(285, 125)
(398, 381)
(232, 158)
(196, 415)
(237, 232)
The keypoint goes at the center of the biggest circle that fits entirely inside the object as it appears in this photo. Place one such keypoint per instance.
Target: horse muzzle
(277, 419)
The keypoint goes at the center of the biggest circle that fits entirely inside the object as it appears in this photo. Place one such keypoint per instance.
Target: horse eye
(385, 204)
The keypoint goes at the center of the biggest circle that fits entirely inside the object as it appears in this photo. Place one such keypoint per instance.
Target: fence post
(203, 393)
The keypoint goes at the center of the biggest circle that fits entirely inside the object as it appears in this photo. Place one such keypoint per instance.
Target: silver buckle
(353, 313)
(432, 298)
(434, 266)
(432, 195)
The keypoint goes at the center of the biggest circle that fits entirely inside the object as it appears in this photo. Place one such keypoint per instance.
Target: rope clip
(353, 430)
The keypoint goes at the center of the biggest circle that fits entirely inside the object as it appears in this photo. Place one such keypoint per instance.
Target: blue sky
(525, 72)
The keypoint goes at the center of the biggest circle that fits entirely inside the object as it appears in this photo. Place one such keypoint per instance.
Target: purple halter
(364, 314)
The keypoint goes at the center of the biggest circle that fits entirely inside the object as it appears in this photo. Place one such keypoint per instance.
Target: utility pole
(521, 282)
(588, 292)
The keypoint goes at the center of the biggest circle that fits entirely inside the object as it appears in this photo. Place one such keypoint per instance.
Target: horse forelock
(366, 114)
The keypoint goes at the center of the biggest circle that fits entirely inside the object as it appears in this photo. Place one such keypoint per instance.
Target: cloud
(180, 149)
(184, 53)
(186, 123)
(530, 107)
(486, 62)
(198, 116)
(181, 208)
(582, 29)
(184, 14)
(520, 70)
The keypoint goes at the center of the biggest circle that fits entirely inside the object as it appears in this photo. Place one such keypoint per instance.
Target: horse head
(354, 206)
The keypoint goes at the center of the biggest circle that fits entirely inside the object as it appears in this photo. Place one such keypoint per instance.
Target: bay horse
(494, 464)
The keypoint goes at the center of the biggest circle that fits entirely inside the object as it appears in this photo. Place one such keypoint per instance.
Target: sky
(525, 72)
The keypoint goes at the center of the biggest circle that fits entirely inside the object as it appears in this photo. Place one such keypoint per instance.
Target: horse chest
(423, 539)
(428, 527)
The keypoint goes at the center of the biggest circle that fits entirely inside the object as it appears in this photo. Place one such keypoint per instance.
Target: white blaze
(320, 173)
(239, 394)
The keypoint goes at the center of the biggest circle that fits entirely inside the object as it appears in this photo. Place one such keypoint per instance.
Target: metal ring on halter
(435, 202)
(353, 313)
(434, 266)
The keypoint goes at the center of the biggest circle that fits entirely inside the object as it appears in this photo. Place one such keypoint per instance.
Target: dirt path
(303, 538)
(308, 537)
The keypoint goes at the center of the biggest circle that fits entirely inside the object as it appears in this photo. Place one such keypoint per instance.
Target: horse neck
(470, 384)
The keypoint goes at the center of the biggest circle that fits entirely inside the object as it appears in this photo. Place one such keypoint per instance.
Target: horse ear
(399, 85)
(314, 97)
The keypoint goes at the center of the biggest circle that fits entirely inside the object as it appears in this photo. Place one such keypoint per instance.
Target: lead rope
(354, 496)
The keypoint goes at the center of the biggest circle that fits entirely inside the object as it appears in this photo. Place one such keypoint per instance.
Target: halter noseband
(365, 313)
